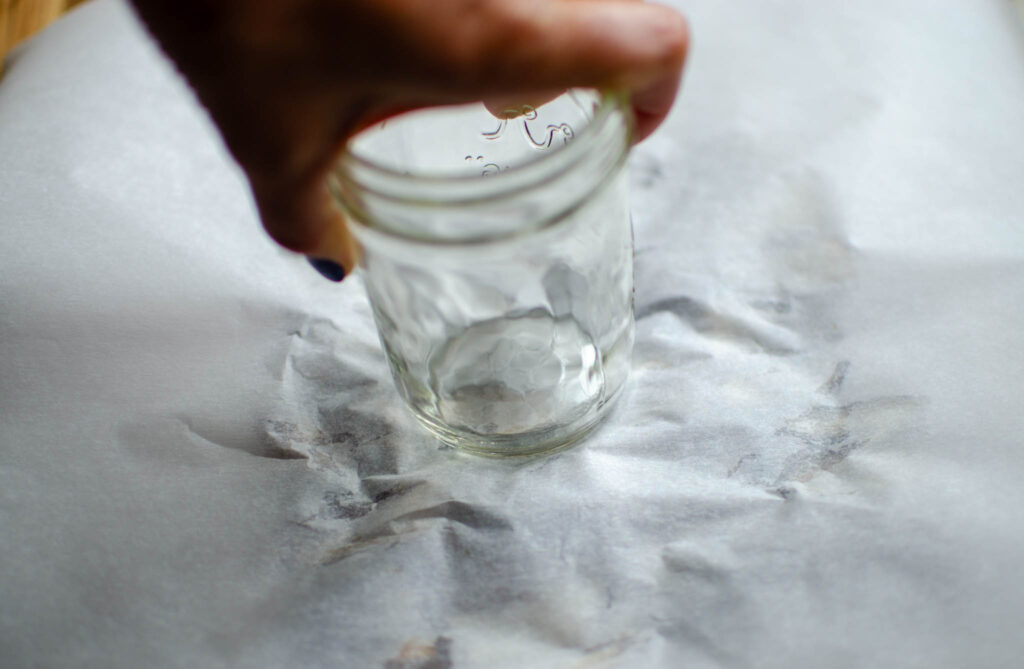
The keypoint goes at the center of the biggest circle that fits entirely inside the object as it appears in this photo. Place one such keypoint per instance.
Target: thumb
(634, 46)
(596, 42)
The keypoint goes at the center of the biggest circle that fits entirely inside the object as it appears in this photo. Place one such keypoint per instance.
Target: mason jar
(497, 255)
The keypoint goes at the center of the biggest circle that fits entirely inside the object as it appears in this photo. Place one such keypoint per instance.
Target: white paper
(817, 463)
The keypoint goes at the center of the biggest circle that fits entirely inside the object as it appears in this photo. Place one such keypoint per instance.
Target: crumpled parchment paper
(818, 462)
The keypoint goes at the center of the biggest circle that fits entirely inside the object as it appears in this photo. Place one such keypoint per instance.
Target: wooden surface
(20, 19)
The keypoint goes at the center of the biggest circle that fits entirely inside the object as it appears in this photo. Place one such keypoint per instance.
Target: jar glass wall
(497, 257)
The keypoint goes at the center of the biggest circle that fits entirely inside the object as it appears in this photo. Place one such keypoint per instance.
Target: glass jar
(497, 255)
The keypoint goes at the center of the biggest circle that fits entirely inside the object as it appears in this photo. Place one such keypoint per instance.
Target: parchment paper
(818, 462)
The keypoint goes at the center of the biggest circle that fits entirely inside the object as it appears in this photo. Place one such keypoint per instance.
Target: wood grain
(20, 19)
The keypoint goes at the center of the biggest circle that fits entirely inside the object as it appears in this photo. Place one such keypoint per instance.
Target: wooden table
(20, 19)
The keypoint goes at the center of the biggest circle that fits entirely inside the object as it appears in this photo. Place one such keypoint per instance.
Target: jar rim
(356, 178)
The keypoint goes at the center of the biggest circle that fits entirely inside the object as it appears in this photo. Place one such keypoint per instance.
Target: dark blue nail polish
(328, 268)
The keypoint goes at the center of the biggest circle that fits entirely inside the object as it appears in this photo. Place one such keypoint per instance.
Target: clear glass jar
(497, 255)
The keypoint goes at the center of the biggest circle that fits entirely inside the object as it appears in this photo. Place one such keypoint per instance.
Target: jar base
(522, 444)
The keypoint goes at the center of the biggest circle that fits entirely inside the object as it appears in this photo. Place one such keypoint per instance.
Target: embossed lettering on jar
(497, 257)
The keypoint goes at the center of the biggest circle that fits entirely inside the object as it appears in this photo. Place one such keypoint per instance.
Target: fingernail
(328, 268)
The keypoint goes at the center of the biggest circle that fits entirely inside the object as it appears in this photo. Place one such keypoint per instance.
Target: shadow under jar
(497, 254)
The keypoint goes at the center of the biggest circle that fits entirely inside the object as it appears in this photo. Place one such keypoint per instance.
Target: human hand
(288, 82)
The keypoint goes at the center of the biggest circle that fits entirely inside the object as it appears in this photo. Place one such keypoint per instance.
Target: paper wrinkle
(742, 325)
(203, 460)
(416, 655)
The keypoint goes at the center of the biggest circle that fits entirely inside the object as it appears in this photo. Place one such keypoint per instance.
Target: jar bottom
(524, 383)
(516, 373)
(536, 442)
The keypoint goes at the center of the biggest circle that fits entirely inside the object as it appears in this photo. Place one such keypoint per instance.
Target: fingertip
(336, 242)
(653, 101)
(308, 222)
(328, 268)
(673, 36)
